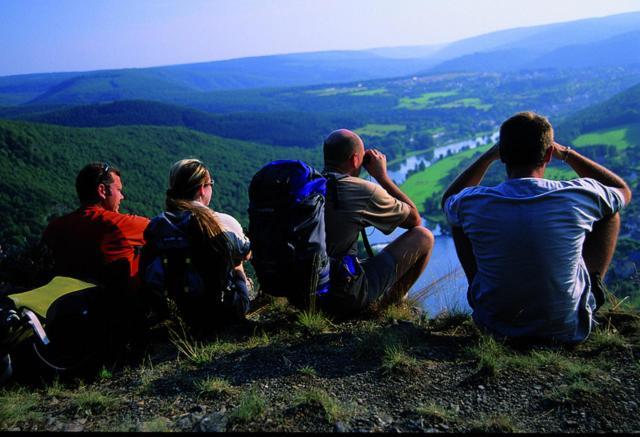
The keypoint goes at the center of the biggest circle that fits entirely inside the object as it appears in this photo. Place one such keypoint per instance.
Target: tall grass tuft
(331, 407)
(252, 406)
(396, 360)
(18, 406)
(214, 387)
(313, 322)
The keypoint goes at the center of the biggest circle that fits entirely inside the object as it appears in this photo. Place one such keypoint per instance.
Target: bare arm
(586, 168)
(465, 253)
(377, 168)
(473, 175)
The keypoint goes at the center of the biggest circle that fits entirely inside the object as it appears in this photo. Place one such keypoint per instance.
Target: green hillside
(291, 129)
(38, 164)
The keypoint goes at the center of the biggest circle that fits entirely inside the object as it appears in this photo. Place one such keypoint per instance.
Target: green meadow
(380, 130)
(472, 102)
(425, 184)
(426, 100)
(372, 92)
(325, 92)
(621, 137)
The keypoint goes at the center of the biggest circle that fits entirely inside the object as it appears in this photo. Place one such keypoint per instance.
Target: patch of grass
(575, 392)
(559, 174)
(278, 305)
(308, 371)
(472, 102)
(252, 406)
(332, 408)
(258, 340)
(105, 373)
(373, 343)
(437, 413)
(423, 185)
(398, 311)
(197, 352)
(493, 357)
(494, 423)
(372, 92)
(425, 101)
(215, 387)
(18, 406)
(313, 322)
(450, 319)
(490, 354)
(56, 389)
(380, 130)
(612, 137)
(332, 91)
(396, 360)
(606, 339)
(159, 424)
(92, 401)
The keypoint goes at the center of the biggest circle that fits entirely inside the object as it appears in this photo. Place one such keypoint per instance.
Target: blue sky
(77, 35)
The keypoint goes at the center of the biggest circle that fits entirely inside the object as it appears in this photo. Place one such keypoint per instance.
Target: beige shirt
(360, 204)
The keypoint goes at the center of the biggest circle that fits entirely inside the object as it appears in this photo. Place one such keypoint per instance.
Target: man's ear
(102, 191)
(353, 160)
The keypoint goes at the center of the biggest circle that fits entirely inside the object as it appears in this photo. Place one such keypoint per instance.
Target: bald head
(340, 146)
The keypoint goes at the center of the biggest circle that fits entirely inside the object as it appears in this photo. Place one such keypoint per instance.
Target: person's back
(353, 204)
(194, 255)
(523, 243)
(527, 235)
(96, 242)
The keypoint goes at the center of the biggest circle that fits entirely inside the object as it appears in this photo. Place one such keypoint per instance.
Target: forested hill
(278, 128)
(621, 109)
(38, 165)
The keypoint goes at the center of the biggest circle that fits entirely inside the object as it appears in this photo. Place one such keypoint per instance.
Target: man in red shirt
(96, 242)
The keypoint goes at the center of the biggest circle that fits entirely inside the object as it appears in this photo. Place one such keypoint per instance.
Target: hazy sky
(72, 35)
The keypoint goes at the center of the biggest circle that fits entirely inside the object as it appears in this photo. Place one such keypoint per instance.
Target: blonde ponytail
(185, 179)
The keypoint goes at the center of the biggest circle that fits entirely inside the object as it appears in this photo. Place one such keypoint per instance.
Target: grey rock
(214, 422)
(340, 427)
(73, 427)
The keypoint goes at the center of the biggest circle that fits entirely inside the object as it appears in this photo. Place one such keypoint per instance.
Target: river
(398, 171)
(443, 285)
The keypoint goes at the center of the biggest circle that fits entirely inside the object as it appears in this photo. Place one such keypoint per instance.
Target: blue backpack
(287, 231)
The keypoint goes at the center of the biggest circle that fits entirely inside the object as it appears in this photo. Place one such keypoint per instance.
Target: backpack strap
(332, 187)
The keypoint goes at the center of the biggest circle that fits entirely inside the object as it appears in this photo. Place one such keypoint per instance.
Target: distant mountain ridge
(530, 47)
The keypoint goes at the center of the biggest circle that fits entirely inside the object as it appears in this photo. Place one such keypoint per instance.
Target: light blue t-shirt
(527, 236)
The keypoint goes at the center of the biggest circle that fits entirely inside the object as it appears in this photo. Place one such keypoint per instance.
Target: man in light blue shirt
(534, 250)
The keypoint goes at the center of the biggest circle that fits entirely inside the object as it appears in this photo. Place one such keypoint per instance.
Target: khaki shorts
(381, 273)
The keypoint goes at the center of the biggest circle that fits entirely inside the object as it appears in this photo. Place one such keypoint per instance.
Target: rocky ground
(395, 371)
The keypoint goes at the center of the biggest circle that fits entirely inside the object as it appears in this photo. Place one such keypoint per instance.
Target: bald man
(353, 204)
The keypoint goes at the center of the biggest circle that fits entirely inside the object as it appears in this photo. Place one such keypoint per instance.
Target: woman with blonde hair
(194, 255)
